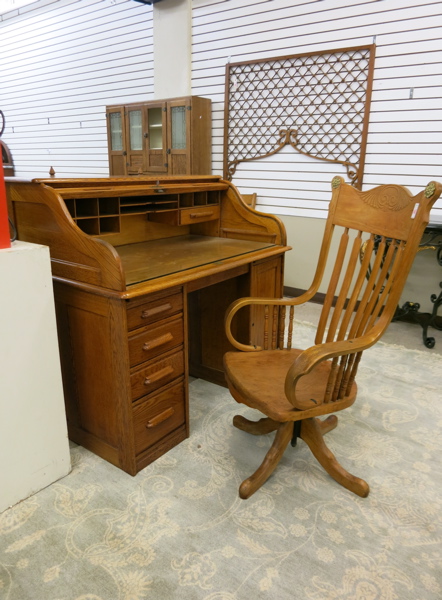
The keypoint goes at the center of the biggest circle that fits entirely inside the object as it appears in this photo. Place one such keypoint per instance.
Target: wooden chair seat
(257, 379)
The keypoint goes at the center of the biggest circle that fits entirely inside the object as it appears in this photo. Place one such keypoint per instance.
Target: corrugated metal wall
(61, 63)
(405, 132)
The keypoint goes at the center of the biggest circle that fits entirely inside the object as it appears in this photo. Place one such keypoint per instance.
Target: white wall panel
(405, 132)
(61, 64)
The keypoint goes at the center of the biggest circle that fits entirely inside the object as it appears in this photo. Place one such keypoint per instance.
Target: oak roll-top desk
(143, 272)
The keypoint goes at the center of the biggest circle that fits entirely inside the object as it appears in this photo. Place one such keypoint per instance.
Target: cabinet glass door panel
(178, 121)
(156, 138)
(155, 128)
(116, 128)
(116, 140)
(135, 139)
(178, 136)
(135, 130)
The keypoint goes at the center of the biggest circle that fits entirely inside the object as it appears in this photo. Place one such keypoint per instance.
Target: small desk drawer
(157, 373)
(155, 340)
(155, 310)
(199, 214)
(158, 416)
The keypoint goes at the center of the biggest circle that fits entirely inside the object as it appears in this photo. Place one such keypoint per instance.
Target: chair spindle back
(381, 231)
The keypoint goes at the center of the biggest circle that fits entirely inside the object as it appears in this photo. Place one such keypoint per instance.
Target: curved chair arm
(312, 356)
(248, 301)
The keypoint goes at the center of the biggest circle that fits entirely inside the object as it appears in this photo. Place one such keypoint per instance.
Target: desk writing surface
(157, 258)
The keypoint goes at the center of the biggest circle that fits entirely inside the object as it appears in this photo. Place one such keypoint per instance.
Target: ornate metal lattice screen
(316, 103)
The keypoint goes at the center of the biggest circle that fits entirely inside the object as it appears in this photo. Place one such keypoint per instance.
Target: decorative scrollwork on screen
(316, 103)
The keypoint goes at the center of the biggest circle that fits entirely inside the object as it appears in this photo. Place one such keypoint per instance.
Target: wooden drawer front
(158, 415)
(157, 373)
(199, 214)
(142, 314)
(155, 340)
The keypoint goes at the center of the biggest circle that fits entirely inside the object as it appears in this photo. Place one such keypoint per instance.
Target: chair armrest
(248, 301)
(312, 356)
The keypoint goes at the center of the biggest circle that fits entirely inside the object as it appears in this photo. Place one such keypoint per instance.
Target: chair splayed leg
(312, 431)
(282, 438)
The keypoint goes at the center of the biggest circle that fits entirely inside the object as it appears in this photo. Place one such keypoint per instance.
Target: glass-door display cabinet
(170, 137)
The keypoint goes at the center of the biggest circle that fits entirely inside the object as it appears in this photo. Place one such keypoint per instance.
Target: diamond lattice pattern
(322, 97)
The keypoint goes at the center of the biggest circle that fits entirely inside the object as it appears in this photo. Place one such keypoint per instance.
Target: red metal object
(5, 236)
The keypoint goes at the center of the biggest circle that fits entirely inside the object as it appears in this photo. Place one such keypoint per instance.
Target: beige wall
(304, 235)
(172, 40)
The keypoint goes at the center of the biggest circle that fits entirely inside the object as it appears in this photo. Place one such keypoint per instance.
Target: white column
(34, 448)
(172, 38)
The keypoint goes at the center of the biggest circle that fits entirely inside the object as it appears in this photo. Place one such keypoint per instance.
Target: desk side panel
(266, 281)
(95, 366)
(240, 221)
(41, 217)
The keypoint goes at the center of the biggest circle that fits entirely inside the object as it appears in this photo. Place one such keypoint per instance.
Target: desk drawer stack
(124, 373)
(157, 373)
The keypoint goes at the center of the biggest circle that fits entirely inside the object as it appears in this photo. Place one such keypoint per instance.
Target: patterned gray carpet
(179, 530)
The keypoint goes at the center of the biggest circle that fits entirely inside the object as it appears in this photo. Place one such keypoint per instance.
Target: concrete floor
(398, 332)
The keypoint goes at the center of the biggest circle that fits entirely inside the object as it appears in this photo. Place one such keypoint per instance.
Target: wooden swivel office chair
(380, 233)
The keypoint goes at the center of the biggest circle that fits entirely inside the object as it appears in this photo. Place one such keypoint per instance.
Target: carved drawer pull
(166, 414)
(163, 339)
(161, 374)
(198, 215)
(149, 312)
